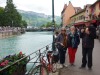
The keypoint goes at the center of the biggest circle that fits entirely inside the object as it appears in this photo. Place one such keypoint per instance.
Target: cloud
(81, 3)
(45, 6)
(2, 3)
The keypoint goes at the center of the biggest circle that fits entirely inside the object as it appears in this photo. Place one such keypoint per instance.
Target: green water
(27, 43)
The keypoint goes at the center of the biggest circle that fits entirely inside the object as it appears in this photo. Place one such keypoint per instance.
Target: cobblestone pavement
(74, 70)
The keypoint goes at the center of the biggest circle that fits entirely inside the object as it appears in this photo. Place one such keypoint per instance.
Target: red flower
(3, 64)
(21, 53)
(6, 62)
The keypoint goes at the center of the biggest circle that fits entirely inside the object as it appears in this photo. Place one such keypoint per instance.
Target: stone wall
(8, 32)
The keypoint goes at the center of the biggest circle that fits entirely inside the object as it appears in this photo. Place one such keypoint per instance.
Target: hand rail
(39, 50)
(38, 59)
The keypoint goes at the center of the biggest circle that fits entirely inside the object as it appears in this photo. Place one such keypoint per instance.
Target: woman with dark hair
(73, 42)
(62, 46)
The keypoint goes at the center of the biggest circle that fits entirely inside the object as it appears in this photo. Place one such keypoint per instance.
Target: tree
(43, 25)
(1, 16)
(24, 24)
(12, 17)
(1, 10)
(49, 24)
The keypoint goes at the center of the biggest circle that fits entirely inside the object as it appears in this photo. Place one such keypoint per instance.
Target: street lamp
(53, 23)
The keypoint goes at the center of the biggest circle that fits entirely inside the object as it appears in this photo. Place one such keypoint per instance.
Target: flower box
(16, 69)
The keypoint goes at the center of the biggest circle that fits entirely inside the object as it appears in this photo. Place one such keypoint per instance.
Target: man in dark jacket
(88, 35)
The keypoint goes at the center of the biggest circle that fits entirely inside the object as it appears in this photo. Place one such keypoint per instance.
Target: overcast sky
(45, 6)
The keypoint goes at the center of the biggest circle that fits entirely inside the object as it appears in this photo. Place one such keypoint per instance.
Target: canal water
(27, 43)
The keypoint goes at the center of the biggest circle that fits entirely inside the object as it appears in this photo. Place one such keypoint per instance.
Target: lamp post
(53, 23)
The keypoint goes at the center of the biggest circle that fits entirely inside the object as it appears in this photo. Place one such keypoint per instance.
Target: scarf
(64, 40)
(73, 39)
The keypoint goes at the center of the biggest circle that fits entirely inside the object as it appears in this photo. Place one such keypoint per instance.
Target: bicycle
(44, 68)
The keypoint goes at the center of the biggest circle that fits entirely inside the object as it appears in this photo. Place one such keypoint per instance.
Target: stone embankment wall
(10, 31)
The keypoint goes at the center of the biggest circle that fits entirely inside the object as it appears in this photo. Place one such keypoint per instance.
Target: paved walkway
(75, 69)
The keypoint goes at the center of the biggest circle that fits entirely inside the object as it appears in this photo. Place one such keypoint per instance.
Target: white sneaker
(65, 65)
(60, 66)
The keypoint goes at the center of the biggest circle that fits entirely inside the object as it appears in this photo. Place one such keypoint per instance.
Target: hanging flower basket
(16, 69)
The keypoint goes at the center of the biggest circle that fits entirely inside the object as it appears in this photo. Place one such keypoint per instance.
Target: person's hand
(82, 30)
(87, 31)
(61, 44)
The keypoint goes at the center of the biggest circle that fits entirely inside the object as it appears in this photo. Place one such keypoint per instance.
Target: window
(80, 18)
(72, 19)
(83, 16)
(77, 18)
(93, 10)
(87, 11)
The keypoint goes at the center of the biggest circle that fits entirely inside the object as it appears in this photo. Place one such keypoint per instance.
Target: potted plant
(16, 69)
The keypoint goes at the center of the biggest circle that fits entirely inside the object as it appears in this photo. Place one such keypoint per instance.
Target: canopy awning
(93, 21)
(80, 23)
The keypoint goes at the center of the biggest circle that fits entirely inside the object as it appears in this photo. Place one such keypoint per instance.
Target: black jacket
(76, 40)
(88, 39)
(60, 40)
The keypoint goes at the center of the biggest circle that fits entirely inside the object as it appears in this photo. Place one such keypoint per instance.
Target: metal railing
(33, 58)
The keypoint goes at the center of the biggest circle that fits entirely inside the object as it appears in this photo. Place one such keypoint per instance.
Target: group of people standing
(70, 41)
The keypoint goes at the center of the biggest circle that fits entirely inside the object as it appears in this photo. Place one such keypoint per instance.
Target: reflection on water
(27, 43)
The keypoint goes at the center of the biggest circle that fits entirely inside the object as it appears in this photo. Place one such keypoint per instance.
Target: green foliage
(49, 24)
(13, 18)
(16, 67)
(9, 16)
(37, 19)
(24, 24)
(1, 10)
(1, 16)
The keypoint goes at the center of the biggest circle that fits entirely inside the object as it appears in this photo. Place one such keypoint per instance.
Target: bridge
(39, 29)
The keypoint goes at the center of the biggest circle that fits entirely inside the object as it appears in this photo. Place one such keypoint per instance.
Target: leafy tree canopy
(11, 16)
